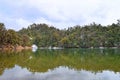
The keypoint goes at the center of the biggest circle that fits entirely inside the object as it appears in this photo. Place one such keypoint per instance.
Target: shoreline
(15, 48)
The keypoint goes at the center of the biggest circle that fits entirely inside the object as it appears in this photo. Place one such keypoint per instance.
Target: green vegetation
(43, 35)
(10, 38)
(92, 35)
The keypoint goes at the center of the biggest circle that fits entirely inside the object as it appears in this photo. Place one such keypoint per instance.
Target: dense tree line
(92, 35)
(43, 35)
(10, 38)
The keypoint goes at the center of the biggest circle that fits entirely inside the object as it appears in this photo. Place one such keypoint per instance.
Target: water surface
(66, 64)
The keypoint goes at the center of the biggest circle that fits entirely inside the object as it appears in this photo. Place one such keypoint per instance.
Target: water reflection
(59, 73)
(84, 64)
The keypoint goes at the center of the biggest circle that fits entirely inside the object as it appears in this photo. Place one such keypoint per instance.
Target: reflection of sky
(60, 73)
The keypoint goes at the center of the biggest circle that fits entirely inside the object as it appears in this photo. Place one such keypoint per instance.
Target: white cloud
(87, 11)
(65, 9)
(63, 13)
(22, 22)
(60, 25)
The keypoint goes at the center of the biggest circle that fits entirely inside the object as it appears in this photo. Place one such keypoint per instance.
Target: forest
(87, 36)
(10, 38)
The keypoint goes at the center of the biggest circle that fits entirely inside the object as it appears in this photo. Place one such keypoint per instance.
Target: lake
(64, 64)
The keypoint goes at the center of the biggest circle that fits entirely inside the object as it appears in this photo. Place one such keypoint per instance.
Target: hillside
(92, 35)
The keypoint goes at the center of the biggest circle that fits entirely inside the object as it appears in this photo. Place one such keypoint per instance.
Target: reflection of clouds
(16, 72)
(108, 75)
(60, 73)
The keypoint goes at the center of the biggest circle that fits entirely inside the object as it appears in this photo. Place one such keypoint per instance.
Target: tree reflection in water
(46, 63)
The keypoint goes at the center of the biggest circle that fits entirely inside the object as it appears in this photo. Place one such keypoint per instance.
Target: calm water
(66, 64)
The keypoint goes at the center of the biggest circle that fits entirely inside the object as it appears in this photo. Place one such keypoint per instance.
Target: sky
(16, 14)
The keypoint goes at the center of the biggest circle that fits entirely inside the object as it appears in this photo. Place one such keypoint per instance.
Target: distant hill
(92, 35)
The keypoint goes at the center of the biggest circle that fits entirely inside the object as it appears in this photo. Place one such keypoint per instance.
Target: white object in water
(34, 47)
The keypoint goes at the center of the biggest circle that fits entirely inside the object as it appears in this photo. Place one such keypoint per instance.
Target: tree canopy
(11, 38)
(43, 35)
(92, 35)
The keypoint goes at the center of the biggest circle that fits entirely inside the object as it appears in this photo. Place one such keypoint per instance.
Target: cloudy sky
(16, 14)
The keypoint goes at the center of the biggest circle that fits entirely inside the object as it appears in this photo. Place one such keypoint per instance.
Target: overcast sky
(16, 14)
